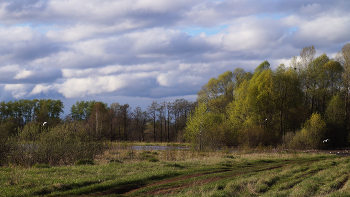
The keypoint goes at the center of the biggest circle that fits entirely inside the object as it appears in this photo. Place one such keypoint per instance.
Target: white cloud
(75, 87)
(252, 33)
(17, 90)
(23, 74)
(10, 68)
(80, 87)
(40, 88)
(324, 30)
(15, 34)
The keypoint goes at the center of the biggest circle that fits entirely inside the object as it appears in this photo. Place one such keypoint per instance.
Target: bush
(153, 159)
(63, 144)
(6, 145)
(229, 156)
(84, 162)
(115, 161)
(310, 136)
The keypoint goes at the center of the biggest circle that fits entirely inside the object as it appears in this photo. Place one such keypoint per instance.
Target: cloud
(23, 74)
(323, 31)
(80, 87)
(40, 88)
(152, 49)
(17, 90)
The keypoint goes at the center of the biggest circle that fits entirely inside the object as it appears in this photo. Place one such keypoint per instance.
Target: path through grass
(207, 174)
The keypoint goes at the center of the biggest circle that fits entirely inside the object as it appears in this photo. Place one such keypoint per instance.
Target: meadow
(123, 171)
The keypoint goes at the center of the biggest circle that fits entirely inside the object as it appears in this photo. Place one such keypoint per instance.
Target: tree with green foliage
(316, 129)
(335, 117)
(260, 95)
(217, 93)
(287, 99)
(198, 125)
(344, 60)
(81, 110)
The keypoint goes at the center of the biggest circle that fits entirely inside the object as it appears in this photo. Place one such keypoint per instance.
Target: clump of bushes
(84, 162)
(310, 136)
(61, 145)
(229, 156)
(153, 159)
(115, 161)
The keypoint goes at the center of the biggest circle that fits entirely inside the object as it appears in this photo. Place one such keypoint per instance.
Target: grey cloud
(20, 76)
(43, 76)
(25, 5)
(140, 50)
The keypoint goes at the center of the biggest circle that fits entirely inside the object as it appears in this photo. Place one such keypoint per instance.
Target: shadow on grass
(97, 188)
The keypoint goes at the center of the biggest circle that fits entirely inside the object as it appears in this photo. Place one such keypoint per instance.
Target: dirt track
(222, 174)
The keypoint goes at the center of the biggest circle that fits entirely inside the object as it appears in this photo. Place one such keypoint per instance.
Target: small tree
(315, 128)
(197, 126)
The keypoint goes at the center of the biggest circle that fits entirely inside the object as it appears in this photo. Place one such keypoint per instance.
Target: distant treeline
(291, 107)
(160, 122)
(32, 131)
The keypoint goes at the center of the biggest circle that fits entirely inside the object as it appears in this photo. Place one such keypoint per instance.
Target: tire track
(206, 181)
(130, 189)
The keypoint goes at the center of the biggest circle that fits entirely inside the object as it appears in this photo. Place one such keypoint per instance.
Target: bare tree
(140, 121)
(152, 111)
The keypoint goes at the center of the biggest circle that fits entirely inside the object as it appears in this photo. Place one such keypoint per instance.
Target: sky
(139, 51)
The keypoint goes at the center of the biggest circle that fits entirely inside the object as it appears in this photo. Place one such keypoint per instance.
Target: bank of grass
(188, 173)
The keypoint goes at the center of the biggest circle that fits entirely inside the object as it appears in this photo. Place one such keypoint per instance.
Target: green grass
(185, 173)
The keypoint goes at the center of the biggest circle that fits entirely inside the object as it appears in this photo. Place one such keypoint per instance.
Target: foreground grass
(185, 173)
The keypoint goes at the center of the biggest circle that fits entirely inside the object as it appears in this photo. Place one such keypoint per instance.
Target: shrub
(115, 161)
(84, 162)
(6, 145)
(153, 159)
(229, 156)
(311, 134)
(63, 144)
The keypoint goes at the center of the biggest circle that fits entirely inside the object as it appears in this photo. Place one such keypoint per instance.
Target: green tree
(287, 99)
(333, 72)
(198, 125)
(260, 96)
(336, 125)
(217, 93)
(265, 65)
(344, 59)
(315, 129)
(81, 110)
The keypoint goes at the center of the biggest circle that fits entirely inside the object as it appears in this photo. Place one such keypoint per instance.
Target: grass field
(122, 171)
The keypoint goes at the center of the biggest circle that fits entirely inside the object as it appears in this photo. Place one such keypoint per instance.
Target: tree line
(34, 132)
(164, 121)
(294, 107)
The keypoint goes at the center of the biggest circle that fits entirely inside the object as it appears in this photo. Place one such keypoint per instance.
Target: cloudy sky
(138, 51)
